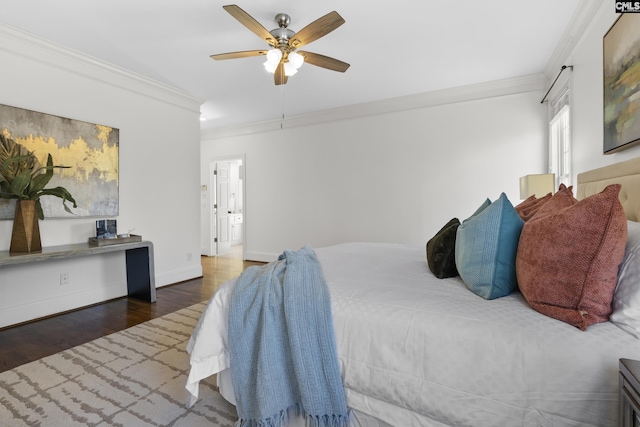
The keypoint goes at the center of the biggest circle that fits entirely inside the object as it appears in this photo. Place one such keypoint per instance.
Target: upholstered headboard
(626, 173)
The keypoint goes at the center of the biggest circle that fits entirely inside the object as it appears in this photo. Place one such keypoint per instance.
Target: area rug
(132, 378)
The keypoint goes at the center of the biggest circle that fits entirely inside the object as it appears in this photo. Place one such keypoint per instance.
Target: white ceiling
(395, 48)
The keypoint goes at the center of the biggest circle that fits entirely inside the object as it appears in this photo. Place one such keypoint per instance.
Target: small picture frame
(106, 229)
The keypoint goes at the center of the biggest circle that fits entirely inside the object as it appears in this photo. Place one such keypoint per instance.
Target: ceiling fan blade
(318, 28)
(279, 77)
(234, 55)
(324, 61)
(248, 21)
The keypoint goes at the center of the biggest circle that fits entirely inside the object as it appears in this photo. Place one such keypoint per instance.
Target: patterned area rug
(132, 378)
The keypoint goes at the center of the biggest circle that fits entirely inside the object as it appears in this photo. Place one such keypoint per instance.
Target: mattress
(415, 350)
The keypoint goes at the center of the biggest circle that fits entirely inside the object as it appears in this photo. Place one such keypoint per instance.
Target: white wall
(390, 177)
(587, 98)
(159, 187)
(398, 176)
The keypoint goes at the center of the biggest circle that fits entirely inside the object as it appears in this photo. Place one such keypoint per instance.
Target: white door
(221, 208)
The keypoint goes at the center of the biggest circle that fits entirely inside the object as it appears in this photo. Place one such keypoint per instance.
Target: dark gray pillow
(441, 251)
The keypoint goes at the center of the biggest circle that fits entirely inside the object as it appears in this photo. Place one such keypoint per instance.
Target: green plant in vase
(24, 179)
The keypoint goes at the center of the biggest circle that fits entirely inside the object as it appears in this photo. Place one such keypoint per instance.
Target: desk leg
(141, 282)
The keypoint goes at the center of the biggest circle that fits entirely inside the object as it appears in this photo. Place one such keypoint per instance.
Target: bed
(417, 350)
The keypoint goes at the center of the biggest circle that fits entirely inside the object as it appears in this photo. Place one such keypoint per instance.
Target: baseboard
(63, 302)
(180, 275)
(60, 303)
(260, 256)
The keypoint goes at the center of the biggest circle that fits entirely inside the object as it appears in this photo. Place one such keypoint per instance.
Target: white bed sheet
(419, 351)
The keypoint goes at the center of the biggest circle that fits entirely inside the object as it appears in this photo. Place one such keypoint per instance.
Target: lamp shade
(537, 185)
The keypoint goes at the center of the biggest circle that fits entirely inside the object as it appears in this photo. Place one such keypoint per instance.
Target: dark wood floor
(32, 341)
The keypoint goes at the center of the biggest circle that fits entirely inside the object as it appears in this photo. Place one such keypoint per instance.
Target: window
(560, 140)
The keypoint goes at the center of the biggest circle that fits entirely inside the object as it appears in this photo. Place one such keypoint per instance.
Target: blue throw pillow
(486, 247)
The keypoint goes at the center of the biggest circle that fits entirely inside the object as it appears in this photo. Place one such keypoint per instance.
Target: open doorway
(223, 213)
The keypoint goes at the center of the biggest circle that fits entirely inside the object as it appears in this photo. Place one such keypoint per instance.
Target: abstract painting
(621, 59)
(90, 150)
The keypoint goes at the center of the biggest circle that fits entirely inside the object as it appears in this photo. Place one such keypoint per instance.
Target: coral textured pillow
(568, 256)
(528, 208)
(562, 199)
(626, 299)
(525, 203)
(441, 251)
(486, 245)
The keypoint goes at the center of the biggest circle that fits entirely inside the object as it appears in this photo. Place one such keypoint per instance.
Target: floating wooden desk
(141, 281)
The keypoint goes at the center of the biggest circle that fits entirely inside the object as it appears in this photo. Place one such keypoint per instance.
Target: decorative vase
(25, 237)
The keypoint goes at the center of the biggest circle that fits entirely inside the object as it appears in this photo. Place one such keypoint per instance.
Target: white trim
(178, 275)
(211, 164)
(559, 140)
(582, 20)
(60, 303)
(261, 256)
(25, 44)
(531, 83)
(79, 298)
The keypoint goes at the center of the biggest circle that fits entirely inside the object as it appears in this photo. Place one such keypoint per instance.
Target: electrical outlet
(64, 278)
(189, 256)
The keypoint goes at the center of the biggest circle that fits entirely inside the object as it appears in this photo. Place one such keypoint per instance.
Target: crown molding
(580, 23)
(22, 43)
(512, 86)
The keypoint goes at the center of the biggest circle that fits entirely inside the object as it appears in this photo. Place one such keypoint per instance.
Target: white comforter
(419, 351)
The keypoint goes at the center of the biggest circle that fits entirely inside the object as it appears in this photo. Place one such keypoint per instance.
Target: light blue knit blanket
(282, 345)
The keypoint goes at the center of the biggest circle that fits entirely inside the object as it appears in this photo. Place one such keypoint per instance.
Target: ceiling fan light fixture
(296, 59)
(273, 60)
(289, 69)
(281, 60)
(270, 67)
(274, 56)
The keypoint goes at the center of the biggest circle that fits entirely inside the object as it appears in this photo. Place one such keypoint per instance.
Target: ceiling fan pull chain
(282, 106)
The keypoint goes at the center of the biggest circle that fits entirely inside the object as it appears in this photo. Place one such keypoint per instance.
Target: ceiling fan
(283, 59)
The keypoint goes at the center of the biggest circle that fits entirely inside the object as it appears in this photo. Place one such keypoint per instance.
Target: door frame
(209, 213)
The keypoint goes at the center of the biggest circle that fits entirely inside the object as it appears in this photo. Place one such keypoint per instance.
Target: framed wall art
(621, 71)
(90, 150)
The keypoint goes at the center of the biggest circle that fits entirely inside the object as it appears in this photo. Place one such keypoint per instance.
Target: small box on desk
(94, 241)
(106, 228)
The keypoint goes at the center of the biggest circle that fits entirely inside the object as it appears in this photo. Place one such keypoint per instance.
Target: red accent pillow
(562, 199)
(569, 254)
(530, 206)
(525, 203)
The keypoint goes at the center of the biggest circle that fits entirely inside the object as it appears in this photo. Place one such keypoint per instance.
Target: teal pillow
(482, 207)
(486, 247)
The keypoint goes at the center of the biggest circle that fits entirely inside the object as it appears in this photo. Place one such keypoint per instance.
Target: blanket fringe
(278, 420)
(281, 419)
(336, 420)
